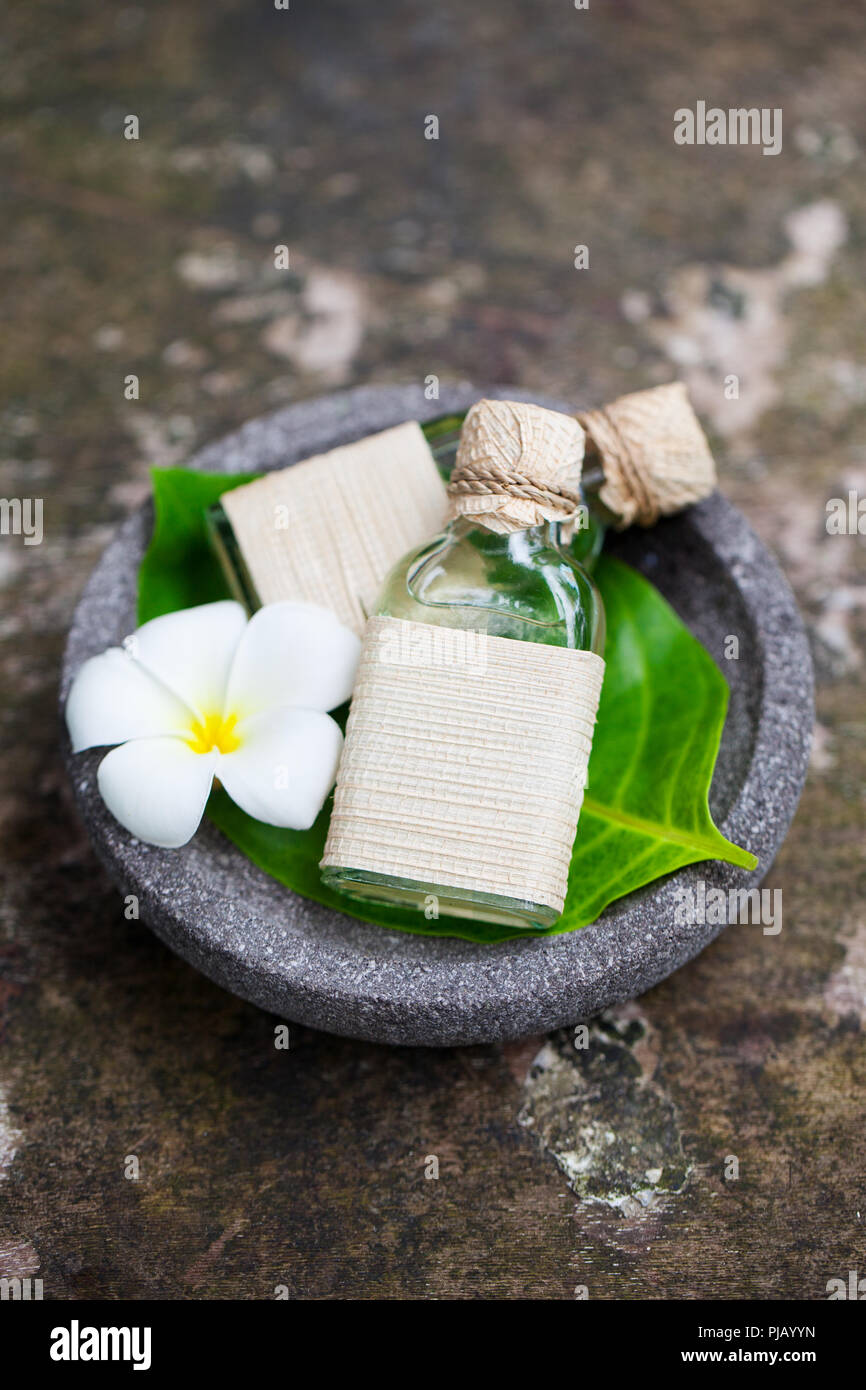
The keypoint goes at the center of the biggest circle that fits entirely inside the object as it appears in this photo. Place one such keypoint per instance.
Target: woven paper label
(329, 529)
(465, 760)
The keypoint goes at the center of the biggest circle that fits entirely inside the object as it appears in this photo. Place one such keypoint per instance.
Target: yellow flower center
(214, 731)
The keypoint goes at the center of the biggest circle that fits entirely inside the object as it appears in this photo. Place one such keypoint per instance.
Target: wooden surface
(304, 1169)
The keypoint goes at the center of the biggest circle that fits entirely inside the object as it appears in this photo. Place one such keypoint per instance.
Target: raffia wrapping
(517, 465)
(465, 760)
(654, 453)
(329, 529)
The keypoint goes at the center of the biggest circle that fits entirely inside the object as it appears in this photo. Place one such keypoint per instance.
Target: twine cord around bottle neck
(617, 454)
(485, 480)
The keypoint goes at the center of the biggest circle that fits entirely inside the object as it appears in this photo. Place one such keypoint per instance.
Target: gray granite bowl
(323, 968)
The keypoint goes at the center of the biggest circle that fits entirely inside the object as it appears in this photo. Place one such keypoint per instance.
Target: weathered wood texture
(411, 258)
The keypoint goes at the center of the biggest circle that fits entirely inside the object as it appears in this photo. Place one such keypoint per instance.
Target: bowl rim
(328, 970)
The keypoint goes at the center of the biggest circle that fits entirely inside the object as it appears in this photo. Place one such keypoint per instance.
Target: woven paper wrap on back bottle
(465, 760)
(654, 453)
(329, 529)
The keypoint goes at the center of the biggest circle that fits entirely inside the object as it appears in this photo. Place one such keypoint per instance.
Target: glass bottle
(586, 541)
(525, 585)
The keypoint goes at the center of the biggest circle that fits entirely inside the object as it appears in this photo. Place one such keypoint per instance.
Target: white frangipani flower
(204, 693)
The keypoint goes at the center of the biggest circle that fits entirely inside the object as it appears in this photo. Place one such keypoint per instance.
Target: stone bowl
(327, 970)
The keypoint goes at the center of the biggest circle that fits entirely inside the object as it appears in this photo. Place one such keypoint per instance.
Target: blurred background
(410, 257)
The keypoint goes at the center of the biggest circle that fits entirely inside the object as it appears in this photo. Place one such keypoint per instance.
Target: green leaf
(180, 569)
(660, 720)
(661, 716)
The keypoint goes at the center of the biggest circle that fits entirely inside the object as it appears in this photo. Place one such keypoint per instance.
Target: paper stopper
(655, 456)
(518, 465)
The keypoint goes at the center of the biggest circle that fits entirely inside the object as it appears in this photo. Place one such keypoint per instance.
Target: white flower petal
(292, 654)
(157, 788)
(192, 651)
(285, 766)
(113, 699)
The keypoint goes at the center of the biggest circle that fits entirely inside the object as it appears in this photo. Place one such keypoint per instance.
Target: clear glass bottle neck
(518, 544)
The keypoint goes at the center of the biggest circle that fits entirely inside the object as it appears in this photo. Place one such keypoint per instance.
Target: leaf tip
(743, 858)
